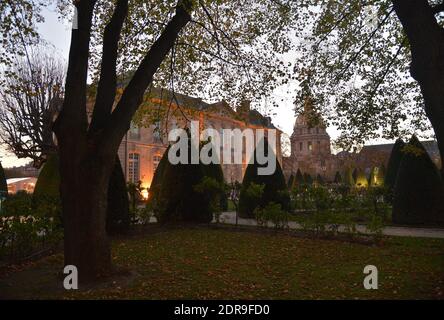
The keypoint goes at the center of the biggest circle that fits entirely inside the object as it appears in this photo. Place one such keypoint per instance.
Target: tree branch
(71, 119)
(134, 92)
(106, 90)
(438, 8)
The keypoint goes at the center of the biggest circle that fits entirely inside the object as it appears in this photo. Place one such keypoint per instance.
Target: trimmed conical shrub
(418, 192)
(48, 182)
(177, 201)
(117, 216)
(3, 184)
(319, 180)
(291, 181)
(393, 164)
(299, 179)
(355, 174)
(349, 180)
(338, 178)
(275, 187)
(361, 179)
(46, 198)
(308, 180)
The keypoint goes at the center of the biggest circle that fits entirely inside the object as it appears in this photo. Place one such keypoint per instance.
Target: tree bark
(426, 38)
(87, 153)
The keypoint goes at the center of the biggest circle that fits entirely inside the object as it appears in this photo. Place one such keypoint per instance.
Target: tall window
(134, 131)
(301, 146)
(157, 133)
(156, 160)
(317, 130)
(310, 146)
(134, 167)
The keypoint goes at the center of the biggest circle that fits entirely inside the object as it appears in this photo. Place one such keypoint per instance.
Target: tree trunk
(87, 153)
(84, 200)
(426, 38)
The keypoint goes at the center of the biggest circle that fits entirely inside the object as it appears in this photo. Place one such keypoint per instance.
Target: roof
(430, 145)
(254, 116)
(15, 180)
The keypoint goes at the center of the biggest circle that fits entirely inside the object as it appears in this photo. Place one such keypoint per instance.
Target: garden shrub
(214, 171)
(393, 164)
(299, 179)
(46, 196)
(213, 191)
(118, 214)
(273, 213)
(338, 178)
(18, 204)
(275, 187)
(308, 180)
(24, 235)
(291, 182)
(177, 200)
(3, 184)
(349, 180)
(319, 180)
(418, 192)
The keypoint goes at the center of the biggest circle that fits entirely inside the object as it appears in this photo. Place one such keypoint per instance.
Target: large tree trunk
(426, 38)
(87, 152)
(84, 200)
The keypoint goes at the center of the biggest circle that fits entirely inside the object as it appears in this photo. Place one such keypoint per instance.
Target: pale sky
(58, 33)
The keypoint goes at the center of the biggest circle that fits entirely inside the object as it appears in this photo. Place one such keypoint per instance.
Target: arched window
(134, 167)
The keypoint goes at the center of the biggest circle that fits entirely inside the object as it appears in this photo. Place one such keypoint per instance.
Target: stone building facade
(145, 143)
(310, 148)
(311, 151)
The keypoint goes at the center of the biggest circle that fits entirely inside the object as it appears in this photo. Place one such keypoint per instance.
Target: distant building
(311, 153)
(27, 170)
(144, 145)
(21, 184)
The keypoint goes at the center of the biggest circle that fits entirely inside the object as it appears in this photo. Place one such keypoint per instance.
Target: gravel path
(230, 218)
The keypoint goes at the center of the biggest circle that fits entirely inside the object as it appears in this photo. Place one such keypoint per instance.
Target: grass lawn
(203, 263)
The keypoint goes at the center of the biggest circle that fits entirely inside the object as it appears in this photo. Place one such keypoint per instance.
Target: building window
(308, 130)
(301, 146)
(319, 145)
(134, 131)
(156, 160)
(310, 146)
(317, 130)
(133, 167)
(157, 134)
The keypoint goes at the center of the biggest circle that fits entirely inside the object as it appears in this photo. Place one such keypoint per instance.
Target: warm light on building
(145, 187)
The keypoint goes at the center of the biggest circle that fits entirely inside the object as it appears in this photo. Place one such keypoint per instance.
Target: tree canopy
(358, 58)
